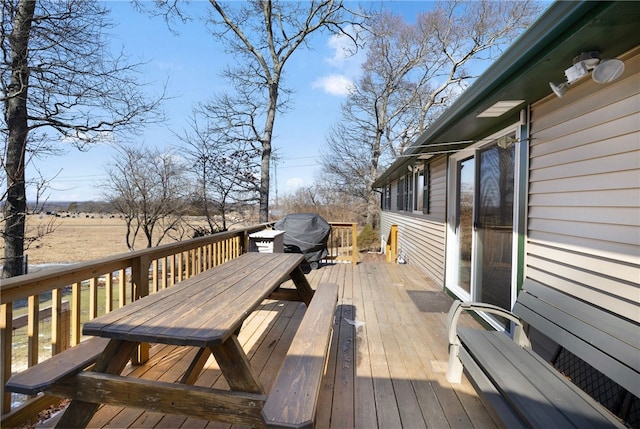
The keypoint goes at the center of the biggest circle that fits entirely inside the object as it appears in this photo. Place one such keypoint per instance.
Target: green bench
(524, 389)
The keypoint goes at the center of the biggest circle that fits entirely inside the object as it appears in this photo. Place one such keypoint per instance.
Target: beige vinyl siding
(584, 192)
(422, 237)
(438, 197)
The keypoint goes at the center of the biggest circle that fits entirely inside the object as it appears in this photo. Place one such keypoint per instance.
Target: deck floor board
(386, 366)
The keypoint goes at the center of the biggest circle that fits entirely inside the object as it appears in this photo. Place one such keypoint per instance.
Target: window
(386, 198)
(413, 191)
(408, 202)
(419, 181)
(426, 188)
(400, 198)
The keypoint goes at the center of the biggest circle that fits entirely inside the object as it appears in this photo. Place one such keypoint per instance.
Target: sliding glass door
(480, 232)
(494, 225)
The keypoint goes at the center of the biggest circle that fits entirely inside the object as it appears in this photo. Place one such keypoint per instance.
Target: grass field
(76, 239)
(81, 238)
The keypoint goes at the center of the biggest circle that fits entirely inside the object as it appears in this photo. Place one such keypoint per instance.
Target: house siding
(583, 223)
(422, 237)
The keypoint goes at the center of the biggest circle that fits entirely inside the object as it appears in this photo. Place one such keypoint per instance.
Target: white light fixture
(608, 71)
(601, 71)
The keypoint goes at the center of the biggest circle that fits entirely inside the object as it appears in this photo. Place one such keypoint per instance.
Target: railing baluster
(93, 298)
(187, 264)
(122, 288)
(6, 352)
(76, 310)
(165, 271)
(56, 327)
(33, 329)
(108, 292)
(154, 276)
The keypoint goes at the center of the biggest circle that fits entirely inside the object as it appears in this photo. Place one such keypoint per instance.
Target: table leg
(112, 360)
(195, 368)
(235, 366)
(302, 284)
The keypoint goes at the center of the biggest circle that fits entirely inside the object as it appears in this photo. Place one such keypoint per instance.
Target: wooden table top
(202, 311)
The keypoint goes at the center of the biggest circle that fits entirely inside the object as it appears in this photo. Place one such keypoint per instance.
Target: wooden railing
(48, 308)
(95, 288)
(342, 245)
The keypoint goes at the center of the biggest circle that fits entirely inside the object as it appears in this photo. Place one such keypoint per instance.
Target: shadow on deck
(386, 366)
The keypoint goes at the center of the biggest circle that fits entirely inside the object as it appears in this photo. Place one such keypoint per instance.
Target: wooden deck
(386, 366)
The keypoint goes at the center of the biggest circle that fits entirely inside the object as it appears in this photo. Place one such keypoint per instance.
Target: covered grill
(305, 233)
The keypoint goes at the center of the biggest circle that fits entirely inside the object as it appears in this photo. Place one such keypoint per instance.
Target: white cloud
(346, 62)
(343, 49)
(334, 84)
(293, 184)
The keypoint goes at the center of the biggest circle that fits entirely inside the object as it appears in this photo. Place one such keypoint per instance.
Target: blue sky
(192, 61)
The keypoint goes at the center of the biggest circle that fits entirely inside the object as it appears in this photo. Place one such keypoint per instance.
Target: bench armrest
(454, 369)
(519, 335)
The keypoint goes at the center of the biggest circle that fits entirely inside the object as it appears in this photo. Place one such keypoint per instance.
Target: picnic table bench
(524, 389)
(205, 311)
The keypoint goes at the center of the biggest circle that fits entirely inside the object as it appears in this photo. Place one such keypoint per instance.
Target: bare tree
(149, 189)
(411, 74)
(322, 198)
(261, 36)
(222, 155)
(60, 84)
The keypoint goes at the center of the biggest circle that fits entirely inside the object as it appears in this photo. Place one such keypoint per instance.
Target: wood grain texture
(292, 399)
(37, 378)
(193, 401)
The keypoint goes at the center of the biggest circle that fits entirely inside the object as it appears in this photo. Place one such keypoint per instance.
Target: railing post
(354, 233)
(140, 283)
(244, 242)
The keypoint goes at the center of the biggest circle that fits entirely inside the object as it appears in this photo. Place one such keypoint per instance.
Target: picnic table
(207, 312)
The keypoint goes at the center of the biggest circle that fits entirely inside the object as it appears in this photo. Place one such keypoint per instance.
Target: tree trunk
(265, 165)
(264, 181)
(16, 119)
(372, 201)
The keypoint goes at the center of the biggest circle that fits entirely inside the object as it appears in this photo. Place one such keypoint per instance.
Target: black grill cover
(305, 233)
